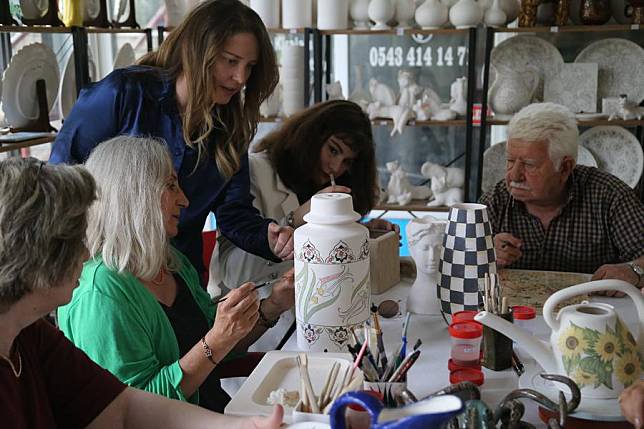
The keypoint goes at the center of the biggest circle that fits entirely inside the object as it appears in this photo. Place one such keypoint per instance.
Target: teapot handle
(373, 406)
(596, 286)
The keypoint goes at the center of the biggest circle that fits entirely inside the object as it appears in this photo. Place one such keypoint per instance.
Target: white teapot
(589, 342)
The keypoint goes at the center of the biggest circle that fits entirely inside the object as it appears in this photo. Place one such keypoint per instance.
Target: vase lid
(329, 208)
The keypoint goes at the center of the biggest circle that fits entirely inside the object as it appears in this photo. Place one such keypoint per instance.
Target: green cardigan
(121, 326)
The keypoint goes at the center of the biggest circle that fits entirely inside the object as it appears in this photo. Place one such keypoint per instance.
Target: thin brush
(270, 282)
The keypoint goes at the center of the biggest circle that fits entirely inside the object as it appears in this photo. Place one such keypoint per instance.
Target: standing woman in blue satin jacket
(200, 93)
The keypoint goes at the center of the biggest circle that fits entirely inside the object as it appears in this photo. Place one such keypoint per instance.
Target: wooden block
(384, 261)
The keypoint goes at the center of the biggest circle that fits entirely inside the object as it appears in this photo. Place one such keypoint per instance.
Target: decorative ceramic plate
(33, 9)
(520, 54)
(67, 90)
(124, 57)
(494, 164)
(532, 288)
(278, 370)
(606, 410)
(616, 150)
(31, 63)
(621, 67)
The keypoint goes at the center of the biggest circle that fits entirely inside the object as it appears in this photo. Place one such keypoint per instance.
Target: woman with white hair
(140, 311)
(46, 381)
(551, 214)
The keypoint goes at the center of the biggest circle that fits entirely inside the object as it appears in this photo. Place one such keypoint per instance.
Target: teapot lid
(523, 312)
(331, 208)
(467, 374)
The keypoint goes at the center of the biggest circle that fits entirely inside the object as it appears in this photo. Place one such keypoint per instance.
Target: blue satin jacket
(140, 101)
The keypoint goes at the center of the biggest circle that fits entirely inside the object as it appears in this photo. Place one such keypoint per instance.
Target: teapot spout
(542, 354)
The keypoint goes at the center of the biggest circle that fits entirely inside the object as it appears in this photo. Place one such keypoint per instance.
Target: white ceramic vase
(405, 10)
(297, 13)
(268, 10)
(359, 11)
(465, 14)
(332, 287)
(511, 9)
(333, 14)
(380, 12)
(495, 16)
(432, 14)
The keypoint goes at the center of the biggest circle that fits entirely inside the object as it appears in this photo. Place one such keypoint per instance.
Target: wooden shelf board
(101, 30)
(572, 29)
(396, 31)
(593, 123)
(451, 123)
(33, 29)
(414, 206)
(286, 30)
(8, 147)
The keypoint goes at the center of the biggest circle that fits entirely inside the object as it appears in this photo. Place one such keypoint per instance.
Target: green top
(121, 326)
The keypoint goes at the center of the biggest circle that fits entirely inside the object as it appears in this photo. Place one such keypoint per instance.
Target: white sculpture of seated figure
(399, 189)
(425, 238)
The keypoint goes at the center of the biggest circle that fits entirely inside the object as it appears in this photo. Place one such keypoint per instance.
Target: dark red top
(59, 385)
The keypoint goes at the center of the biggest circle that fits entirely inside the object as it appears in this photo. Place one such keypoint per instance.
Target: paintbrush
(257, 286)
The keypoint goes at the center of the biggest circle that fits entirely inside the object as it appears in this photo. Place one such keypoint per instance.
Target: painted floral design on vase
(332, 289)
(595, 358)
(467, 255)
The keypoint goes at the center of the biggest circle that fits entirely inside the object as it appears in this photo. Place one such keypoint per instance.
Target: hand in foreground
(237, 315)
(382, 225)
(615, 271)
(507, 247)
(631, 401)
(282, 296)
(274, 421)
(280, 240)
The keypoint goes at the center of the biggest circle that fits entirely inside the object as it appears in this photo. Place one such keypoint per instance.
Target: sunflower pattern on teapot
(593, 358)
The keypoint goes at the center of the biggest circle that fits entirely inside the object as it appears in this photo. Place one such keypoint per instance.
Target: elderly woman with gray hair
(46, 381)
(140, 311)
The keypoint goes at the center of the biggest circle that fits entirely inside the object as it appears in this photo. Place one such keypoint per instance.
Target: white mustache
(519, 185)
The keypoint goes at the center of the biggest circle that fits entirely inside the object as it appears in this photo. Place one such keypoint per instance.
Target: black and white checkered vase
(468, 253)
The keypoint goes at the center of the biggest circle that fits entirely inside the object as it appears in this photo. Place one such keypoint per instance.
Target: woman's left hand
(280, 240)
(382, 225)
(282, 296)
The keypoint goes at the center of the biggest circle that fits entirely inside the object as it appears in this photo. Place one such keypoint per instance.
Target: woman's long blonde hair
(191, 50)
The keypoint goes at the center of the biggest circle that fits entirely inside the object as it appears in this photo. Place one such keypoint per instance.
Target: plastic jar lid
(523, 312)
(464, 316)
(467, 330)
(467, 374)
(451, 366)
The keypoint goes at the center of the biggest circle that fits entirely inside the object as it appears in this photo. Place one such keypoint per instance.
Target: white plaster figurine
(410, 91)
(399, 114)
(447, 183)
(334, 91)
(627, 110)
(425, 238)
(399, 190)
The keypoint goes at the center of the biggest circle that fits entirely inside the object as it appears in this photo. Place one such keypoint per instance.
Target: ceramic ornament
(333, 14)
(380, 12)
(468, 253)
(465, 14)
(359, 11)
(268, 11)
(431, 14)
(405, 10)
(332, 287)
(425, 238)
(297, 13)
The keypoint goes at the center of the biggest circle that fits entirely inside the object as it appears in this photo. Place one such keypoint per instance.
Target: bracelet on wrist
(207, 351)
(263, 320)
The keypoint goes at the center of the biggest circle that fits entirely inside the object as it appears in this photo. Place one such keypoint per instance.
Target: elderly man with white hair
(551, 214)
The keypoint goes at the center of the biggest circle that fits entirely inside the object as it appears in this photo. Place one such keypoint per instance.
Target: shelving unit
(486, 120)
(8, 147)
(471, 36)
